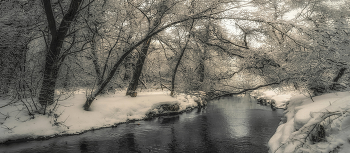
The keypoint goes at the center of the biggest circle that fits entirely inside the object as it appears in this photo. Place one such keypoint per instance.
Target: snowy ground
(320, 124)
(70, 117)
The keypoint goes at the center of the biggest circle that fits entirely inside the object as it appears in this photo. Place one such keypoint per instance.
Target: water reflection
(128, 142)
(168, 119)
(226, 125)
(83, 146)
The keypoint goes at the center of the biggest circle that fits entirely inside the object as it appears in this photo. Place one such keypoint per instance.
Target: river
(231, 124)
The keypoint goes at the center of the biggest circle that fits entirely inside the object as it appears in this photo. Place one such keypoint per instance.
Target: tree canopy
(225, 46)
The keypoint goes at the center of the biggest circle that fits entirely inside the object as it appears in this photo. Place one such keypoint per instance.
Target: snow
(304, 115)
(279, 99)
(70, 118)
(301, 116)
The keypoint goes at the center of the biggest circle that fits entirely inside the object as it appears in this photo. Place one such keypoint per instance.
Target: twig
(310, 96)
(162, 85)
(6, 127)
(6, 116)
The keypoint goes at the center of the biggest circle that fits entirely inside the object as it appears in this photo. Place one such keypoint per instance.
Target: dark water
(225, 125)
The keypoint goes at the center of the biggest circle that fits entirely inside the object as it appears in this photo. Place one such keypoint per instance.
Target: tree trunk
(336, 85)
(175, 70)
(176, 67)
(178, 63)
(201, 70)
(340, 74)
(95, 62)
(47, 92)
(128, 65)
(138, 69)
(52, 57)
(66, 80)
(88, 103)
(203, 56)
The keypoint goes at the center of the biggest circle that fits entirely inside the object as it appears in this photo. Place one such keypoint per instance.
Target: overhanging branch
(250, 89)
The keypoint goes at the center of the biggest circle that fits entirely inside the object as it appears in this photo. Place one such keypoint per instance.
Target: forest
(52, 48)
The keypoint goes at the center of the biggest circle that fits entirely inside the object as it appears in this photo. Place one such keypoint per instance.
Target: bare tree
(153, 22)
(54, 57)
(172, 19)
(183, 49)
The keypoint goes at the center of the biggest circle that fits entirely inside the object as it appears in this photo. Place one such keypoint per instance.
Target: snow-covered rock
(279, 100)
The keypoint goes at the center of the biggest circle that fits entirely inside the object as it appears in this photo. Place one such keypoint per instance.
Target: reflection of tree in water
(168, 119)
(127, 143)
(173, 145)
(123, 144)
(205, 133)
(89, 146)
(84, 146)
(262, 125)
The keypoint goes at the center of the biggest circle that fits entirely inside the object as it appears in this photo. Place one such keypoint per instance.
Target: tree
(183, 49)
(138, 69)
(312, 46)
(54, 57)
(306, 49)
(168, 20)
(153, 21)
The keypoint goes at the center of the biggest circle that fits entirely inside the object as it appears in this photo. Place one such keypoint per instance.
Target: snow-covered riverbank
(70, 118)
(320, 124)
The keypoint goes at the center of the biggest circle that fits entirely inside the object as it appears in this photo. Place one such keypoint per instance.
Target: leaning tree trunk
(138, 69)
(47, 92)
(340, 74)
(335, 85)
(178, 63)
(176, 67)
(175, 70)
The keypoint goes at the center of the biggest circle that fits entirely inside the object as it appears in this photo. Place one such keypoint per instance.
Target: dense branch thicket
(229, 46)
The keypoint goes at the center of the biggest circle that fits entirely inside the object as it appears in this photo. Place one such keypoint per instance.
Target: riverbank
(228, 124)
(106, 111)
(317, 124)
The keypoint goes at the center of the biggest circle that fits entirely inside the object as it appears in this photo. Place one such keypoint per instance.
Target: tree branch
(250, 89)
(50, 17)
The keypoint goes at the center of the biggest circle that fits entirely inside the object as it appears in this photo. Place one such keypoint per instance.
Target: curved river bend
(234, 124)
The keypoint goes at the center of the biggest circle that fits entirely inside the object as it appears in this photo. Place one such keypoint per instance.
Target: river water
(233, 124)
